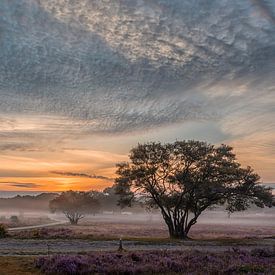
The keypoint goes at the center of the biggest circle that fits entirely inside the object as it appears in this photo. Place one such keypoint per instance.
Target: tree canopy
(185, 178)
(75, 205)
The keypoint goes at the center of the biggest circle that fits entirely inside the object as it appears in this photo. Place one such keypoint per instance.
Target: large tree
(185, 178)
(75, 205)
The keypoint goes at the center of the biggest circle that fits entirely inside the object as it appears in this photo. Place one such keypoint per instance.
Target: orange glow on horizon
(53, 184)
(33, 168)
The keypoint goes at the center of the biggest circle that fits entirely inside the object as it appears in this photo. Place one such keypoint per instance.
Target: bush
(14, 219)
(3, 231)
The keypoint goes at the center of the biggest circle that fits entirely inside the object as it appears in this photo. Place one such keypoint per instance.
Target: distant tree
(14, 219)
(110, 199)
(75, 205)
(185, 178)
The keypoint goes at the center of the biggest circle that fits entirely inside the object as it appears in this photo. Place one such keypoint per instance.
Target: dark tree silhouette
(75, 205)
(185, 178)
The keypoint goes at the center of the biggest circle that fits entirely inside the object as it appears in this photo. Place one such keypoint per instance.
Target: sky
(82, 82)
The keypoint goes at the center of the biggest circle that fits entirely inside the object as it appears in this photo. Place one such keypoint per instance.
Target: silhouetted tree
(109, 200)
(75, 205)
(185, 178)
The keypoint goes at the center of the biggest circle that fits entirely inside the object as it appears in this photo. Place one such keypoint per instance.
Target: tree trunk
(176, 230)
(178, 233)
(73, 221)
(179, 229)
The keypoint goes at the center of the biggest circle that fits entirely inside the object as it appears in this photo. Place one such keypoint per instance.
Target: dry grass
(140, 230)
(17, 266)
(159, 230)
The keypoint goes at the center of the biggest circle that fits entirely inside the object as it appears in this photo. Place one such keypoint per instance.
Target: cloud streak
(21, 184)
(81, 175)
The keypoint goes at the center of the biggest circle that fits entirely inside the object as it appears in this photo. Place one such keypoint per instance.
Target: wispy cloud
(16, 146)
(21, 184)
(81, 175)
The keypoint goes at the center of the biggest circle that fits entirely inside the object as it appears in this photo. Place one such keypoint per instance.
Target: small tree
(185, 178)
(74, 205)
(14, 219)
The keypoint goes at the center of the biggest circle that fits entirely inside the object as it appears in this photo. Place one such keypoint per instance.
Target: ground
(24, 220)
(215, 232)
(17, 266)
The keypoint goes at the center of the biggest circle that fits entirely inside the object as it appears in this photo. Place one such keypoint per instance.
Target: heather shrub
(55, 232)
(259, 252)
(155, 262)
(247, 269)
(251, 269)
(3, 231)
(45, 233)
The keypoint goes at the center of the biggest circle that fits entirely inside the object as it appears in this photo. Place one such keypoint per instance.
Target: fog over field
(217, 216)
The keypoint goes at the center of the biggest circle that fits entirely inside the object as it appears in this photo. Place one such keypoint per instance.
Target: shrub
(45, 233)
(3, 231)
(14, 219)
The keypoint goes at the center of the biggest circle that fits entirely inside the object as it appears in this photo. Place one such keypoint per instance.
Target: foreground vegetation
(148, 262)
(145, 262)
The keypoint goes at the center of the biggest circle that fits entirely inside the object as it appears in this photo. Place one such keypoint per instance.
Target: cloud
(265, 8)
(21, 147)
(82, 175)
(34, 133)
(21, 184)
(121, 66)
